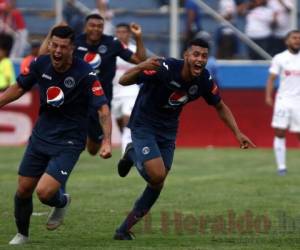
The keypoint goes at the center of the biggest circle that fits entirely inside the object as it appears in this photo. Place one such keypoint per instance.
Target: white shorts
(286, 115)
(122, 106)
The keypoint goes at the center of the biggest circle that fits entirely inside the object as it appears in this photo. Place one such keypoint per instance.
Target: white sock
(126, 138)
(279, 150)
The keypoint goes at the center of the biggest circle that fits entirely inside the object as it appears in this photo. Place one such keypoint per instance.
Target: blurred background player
(286, 114)
(101, 51)
(7, 72)
(27, 60)
(123, 97)
(167, 86)
(68, 87)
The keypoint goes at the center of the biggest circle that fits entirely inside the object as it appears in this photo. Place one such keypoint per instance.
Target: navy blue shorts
(40, 158)
(95, 132)
(149, 145)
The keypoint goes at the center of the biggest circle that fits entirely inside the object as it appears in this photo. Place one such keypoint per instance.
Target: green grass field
(213, 199)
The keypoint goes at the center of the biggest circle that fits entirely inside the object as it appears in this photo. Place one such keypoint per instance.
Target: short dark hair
(291, 32)
(198, 42)
(125, 25)
(93, 16)
(63, 32)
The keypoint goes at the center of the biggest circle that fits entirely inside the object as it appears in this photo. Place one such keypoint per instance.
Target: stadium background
(242, 82)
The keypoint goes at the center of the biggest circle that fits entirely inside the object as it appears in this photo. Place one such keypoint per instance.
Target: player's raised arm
(227, 117)
(106, 124)
(131, 75)
(140, 53)
(11, 94)
(270, 89)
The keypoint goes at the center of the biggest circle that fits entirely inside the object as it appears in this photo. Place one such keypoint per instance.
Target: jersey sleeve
(212, 92)
(28, 79)
(151, 76)
(96, 94)
(123, 51)
(275, 66)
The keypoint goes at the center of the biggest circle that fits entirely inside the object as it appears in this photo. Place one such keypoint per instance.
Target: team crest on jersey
(193, 89)
(69, 82)
(55, 96)
(97, 88)
(102, 49)
(94, 59)
(178, 98)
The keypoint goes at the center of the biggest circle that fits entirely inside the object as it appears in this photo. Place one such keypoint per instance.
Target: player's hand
(136, 29)
(152, 63)
(269, 101)
(105, 150)
(245, 142)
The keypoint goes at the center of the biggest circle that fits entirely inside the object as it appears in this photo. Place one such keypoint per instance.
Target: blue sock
(141, 208)
(23, 211)
(58, 200)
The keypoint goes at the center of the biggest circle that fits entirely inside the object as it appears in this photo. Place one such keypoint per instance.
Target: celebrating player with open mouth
(168, 84)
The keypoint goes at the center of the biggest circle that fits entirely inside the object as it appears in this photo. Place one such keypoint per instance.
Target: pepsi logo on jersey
(94, 59)
(178, 98)
(55, 96)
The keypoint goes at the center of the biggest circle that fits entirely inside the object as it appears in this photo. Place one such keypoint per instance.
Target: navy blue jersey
(102, 57)
(164, 93)
(64, 100)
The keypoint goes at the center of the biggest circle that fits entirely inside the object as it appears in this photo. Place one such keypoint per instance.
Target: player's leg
(279, 146)
(127, 106)
(49, 187)
(95, 135)
(153, 163)
(30, 170)
(280, 123)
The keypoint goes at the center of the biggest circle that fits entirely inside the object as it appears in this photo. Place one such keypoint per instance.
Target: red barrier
(17, 119)
(201, 127)
(199, 124)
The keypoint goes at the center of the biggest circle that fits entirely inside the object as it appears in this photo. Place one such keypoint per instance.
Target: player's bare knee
(92, 151)
(24, 191)
(44, 194)
(157, 178)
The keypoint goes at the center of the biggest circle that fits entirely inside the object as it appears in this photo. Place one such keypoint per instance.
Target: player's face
(123, 34)
(196, 58)
(94, 29)
(293, 42)
(61, 50)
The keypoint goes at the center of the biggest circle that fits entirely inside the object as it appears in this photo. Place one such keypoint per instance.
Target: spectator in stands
(24, 67)
(12, 23)
(226, 40)
(74, 16)
(193, 21)
(260, 20)
(7, 72)
(283, 10)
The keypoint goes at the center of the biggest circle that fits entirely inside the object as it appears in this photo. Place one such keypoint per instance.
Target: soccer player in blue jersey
(68, 87)
(168, 84)
(101, 51)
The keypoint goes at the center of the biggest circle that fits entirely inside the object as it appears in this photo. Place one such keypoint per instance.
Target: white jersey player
(286, 115)
(123, 97)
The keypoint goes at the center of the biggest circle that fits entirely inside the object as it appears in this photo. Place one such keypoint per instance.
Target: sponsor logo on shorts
(64, 172)
(146, 150)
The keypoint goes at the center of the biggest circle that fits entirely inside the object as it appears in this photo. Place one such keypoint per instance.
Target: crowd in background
(266, 23)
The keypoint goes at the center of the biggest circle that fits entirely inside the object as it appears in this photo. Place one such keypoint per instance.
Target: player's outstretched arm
(105, 121)
(140, 53)
(227, 117)
(131, 75)
(11, 94)
(270, 89)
